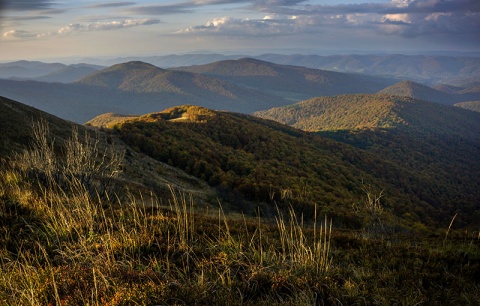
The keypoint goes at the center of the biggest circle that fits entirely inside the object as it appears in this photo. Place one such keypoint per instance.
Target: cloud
(110, 5)
(161, 9)
(106, 26)
(78, 27)
(406, 18)
(190, 6)
(17, 34)
(270, 25)
(27, 5)
(26, 18)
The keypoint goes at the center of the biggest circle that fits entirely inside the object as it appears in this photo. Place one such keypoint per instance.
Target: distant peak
(136, 64)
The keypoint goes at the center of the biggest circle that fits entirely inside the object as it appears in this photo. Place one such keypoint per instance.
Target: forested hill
(251, 160)
(420, 91)
(373, 111)
(435, 142)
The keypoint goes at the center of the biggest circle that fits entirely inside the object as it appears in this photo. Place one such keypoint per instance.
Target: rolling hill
(433, 141)
(419, 91)
(293, 82)
(250, 160)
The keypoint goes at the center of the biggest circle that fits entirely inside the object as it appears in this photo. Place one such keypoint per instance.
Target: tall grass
(63, 241)
(297, 250)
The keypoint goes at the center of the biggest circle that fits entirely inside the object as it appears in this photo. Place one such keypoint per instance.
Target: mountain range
(137, 87)
(425, 69)
(46, 72)
(291, 82)
(430, 70)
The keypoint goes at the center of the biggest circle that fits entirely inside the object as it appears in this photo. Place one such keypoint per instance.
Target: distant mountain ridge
(425, 69)
(136, 87)
(292, 82)
(45, 72)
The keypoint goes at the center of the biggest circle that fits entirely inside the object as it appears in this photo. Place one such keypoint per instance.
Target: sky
(54, 29)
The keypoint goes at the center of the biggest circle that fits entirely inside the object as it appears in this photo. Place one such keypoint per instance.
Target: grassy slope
(139, 172)
(62, 245)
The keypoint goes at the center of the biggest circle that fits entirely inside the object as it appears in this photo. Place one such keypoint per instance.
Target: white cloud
(106, 26)
(268, 26)
(17, 34)
(78, 27)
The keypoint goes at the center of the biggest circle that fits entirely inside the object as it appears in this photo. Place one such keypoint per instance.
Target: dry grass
(66, 242)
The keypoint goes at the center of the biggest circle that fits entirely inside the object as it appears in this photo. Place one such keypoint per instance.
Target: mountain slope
(419, 91)
(345, 112)
(472, 105)
(375, 111)
(437, 143)
(139, 172)
(249, 159)
(293, 82)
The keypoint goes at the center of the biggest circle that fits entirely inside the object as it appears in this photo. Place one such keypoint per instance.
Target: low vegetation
(64, 241)
(472, 105)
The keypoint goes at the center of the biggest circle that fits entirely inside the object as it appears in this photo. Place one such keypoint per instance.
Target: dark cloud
(275, 3)
(161, 9)
(111, 5)
(26, 5)
(441, 20)
(26, 18)
(179, 8)
(100, 18)
(435, 6)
